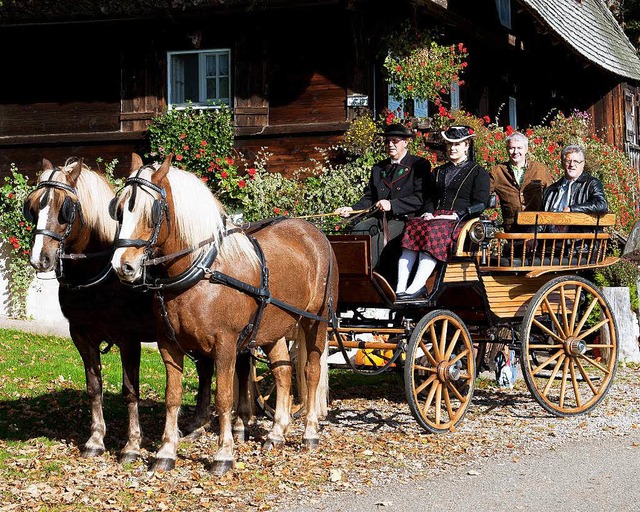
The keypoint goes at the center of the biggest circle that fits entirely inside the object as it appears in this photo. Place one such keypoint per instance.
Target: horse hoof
(270, 444)
(220, 467)
(87, 453)
(128, 457)
(163, 465)
(311, 444)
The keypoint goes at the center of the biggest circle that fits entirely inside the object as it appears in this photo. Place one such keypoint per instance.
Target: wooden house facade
(86, 78)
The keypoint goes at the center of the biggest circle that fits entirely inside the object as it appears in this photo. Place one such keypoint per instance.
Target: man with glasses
(576, 191)
(395, 190)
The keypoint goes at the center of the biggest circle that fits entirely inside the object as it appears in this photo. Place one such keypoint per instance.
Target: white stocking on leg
(407, 259)
(426, 264)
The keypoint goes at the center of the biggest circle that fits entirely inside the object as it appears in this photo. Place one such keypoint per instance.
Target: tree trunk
(620, 302)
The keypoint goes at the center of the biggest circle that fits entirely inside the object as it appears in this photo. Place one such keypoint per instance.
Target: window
(504, 12)
(513, 112)
(455, 96)
(200, 78)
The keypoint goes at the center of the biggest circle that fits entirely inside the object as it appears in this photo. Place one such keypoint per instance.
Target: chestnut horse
(222, 290)
(74, 237)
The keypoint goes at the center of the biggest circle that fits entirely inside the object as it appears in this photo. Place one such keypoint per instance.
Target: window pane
(200, 77)
(211, 89)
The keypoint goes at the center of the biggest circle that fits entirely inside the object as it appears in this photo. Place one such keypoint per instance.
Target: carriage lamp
(481, 233)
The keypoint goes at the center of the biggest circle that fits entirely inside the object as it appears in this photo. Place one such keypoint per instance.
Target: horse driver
(395, 188)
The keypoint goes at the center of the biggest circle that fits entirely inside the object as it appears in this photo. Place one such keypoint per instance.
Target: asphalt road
(597, 475)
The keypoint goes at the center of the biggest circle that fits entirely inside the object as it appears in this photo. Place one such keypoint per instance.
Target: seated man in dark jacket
(396, 188)
(576, 191)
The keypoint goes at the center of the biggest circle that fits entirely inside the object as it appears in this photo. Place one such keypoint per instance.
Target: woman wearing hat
(457, 187)
(395, 188)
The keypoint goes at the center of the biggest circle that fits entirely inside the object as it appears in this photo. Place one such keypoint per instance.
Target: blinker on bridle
(159, 210)
(68, 210)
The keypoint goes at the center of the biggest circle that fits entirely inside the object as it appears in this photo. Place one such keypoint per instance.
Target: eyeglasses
(572, 162)
(393, 141)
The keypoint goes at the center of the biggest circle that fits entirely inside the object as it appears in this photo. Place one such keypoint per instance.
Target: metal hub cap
(575, 346)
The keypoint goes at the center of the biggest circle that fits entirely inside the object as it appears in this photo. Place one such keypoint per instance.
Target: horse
(74, 237)
(220, 290)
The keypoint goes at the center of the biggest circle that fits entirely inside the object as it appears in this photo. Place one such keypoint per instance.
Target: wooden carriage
(529, 294)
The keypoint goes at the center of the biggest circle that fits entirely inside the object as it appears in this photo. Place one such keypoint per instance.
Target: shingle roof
(589, 27)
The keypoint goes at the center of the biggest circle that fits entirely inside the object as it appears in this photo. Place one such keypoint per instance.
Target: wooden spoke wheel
(569, 346)
(264, 385)
(439, 372)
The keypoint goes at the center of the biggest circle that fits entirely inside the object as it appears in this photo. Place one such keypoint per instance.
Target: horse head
(54, 207)
(143, 210)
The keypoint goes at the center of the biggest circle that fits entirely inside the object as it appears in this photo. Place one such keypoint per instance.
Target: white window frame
(203, 102)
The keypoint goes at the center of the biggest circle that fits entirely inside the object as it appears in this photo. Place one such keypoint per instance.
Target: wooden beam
(565, 219)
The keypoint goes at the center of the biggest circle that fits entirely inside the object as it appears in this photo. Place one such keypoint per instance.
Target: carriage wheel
(265, 386)
(439, 373)
(569, 346)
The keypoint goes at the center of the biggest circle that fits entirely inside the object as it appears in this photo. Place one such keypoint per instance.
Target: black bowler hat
(457, 133)
(397, 130)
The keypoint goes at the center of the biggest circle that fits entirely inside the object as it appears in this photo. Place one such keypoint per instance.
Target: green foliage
(201, 141)
(622, 273)
(18, 234)
(418, 67)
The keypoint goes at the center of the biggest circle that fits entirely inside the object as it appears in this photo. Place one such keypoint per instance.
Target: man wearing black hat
(395, 189)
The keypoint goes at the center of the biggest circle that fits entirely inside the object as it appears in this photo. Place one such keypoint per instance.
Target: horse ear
(164, 169)
(136, 162)
(75, 171)
(46, 165)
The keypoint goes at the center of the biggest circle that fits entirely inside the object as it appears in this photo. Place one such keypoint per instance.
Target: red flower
(10, 195)
(224, 175)
(398, 68)
(510, 130)
(185, 147)
(471, 132)
(242, 183)
(251, 171)
(183, 135)
(178, 158)
(203, 143)
(229, 160)
(486, 119)
(276, 210)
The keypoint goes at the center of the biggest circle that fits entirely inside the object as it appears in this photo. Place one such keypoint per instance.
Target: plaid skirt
(432, 236)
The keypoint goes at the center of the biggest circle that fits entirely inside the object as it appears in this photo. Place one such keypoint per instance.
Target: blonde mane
(94, 194)
(199, 215)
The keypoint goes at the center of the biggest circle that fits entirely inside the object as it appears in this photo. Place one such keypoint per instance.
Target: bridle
(159, 211)
(69, 212)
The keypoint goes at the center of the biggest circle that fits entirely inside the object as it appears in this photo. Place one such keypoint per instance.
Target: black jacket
(587, 195)
(470, 187)
(403, 185)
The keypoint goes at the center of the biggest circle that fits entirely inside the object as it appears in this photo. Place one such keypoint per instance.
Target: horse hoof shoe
(129, 457)
(220, 467)
(163, 465)
(87, 453)
(311, 444)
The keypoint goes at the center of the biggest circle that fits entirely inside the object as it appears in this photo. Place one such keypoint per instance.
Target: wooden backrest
(565, 219)
(353, 253)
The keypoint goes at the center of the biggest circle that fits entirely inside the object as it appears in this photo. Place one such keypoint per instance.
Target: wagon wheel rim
(570, 346)
(440, 371)
(264, 386)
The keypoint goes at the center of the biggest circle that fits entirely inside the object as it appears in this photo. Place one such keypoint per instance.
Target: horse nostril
(127, 269)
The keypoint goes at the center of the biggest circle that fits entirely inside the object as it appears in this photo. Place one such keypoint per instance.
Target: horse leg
(225, 372)
(280, 362)
(90, 355)
(299, 357)
(173, 358)
(244, 409)
(130, 358)
(315, 334)
(202, 417)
